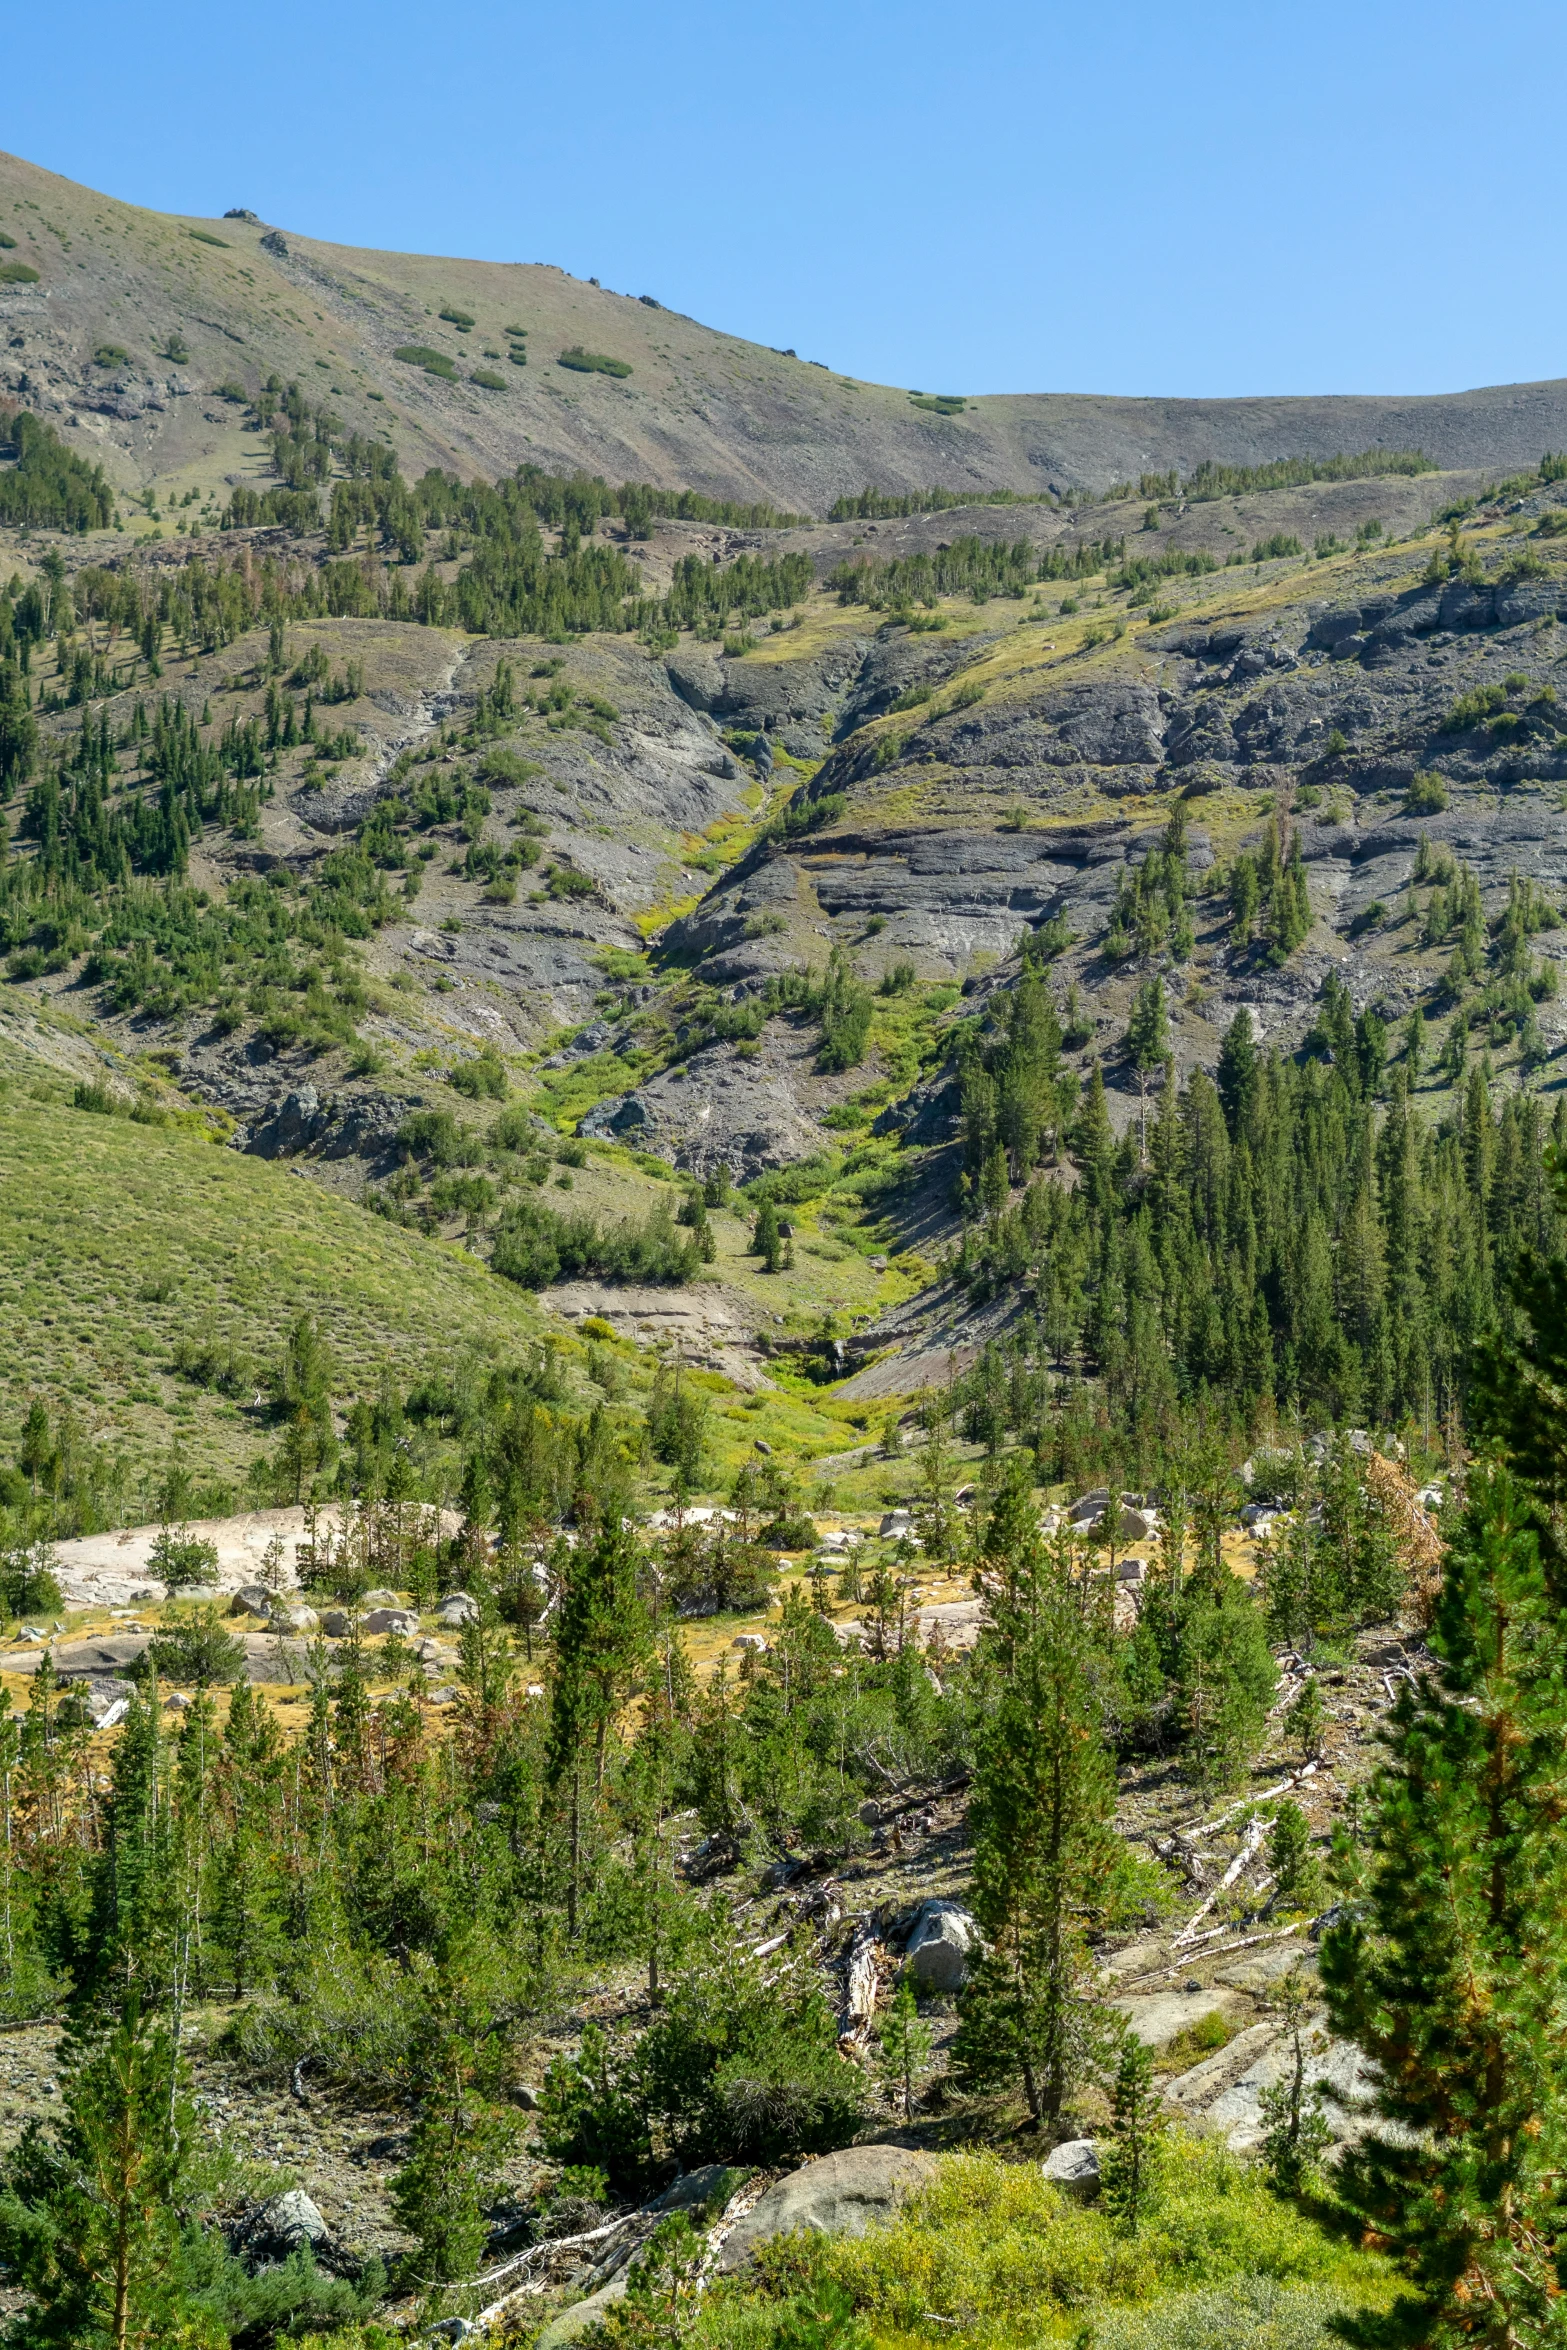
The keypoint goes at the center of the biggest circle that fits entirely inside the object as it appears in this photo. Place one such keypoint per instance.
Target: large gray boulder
(839, 2195)
(573, 2323)
(294, 1616)
(938, 1951)
(266, 2235)
(391, 1619)
(1074, 2166)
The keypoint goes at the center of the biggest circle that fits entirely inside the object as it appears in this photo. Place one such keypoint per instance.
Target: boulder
(1157, 2017)
(391, 1619)
(456, 1609)
(1074, 2166)
(573, 2323)
(380, 1598)
(294, 1616)
(937, 1953)
(265, 2236)
(839, 2195)
(251, 1600)
(336, 1623)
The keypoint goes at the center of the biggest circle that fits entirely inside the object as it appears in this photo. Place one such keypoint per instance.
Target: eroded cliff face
(960, 824)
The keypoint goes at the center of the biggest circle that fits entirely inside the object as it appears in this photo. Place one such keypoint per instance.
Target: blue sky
(1122, 197)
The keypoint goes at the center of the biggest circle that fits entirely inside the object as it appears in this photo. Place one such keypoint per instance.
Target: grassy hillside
(117, 1240)
(135, 321)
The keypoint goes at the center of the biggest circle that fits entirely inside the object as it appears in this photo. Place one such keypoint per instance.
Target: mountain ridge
(699, 408)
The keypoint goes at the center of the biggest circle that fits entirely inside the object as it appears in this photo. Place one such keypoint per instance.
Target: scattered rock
(1159, 2016)
(391, 1619)
(1075, 2166)
(839, 2195)
(265, 2236)
(573, 2323)
(938, 1950)
(295, 1616)
(457, 1608)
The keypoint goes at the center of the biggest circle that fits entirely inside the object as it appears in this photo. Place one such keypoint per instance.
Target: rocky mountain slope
(129, 323)
(617, 867)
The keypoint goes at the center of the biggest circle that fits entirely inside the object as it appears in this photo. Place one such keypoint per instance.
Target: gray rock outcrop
(938, 1952)
(1075, 2166)
(839, 2195)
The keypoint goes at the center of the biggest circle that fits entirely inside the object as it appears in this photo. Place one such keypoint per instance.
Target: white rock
(1076, 2164)
(457, 1608)
(937, 1952)
(751, 1640)
(391, 1619)
(295, 1616)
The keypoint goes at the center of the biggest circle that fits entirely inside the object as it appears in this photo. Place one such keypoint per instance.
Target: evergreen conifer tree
(1130, 2173)
(1452, 1970)
(1047, 1861)
(92, 2218)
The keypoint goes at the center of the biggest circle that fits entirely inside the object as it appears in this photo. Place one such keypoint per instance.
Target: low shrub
(1427, 795)
(483, 1078)
(436, 1135)
(992, 2245)
(534, 1247)
(420, 355)
(196, 1649)
(182, 1559)
(735, 2068)
(592, 362)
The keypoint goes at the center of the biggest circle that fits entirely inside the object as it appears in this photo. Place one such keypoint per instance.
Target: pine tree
(1146, 1043)
(1467, 1878)
(92, 2219)
(1047, 1861)
(1296, 2132)
(1307, 1718)
(766, 1240)
(601, 1641)
(1130, 2172)
(458, 2141)
(905, 2048)
(1296, 1877)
